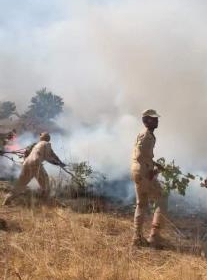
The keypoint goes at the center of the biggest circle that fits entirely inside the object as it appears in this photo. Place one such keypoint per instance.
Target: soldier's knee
(136, 177)
(142, 204)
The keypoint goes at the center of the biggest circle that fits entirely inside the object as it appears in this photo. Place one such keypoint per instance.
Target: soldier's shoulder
(145, 135)
(32, 145)
(40, 144)
(45, 143)
(140, 138)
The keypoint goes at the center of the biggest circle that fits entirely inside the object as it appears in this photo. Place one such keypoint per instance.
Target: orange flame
(12, 145)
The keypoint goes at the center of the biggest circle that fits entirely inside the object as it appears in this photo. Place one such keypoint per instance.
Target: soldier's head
(44, 136)
(150, 119)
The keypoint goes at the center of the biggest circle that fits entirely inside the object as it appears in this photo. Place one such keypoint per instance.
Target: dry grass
(53, 243)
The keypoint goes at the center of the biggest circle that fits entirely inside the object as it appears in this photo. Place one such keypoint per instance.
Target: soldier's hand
(159, 167)
(153, 173)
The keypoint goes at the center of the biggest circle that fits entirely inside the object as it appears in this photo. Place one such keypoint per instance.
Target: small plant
(81, 172)
(83, 180)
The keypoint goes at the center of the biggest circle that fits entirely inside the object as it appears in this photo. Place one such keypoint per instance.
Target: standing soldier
(33, 167)
(147, 187)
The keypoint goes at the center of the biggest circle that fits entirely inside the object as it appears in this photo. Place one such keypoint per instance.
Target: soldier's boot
(138, 239)
(155, 240)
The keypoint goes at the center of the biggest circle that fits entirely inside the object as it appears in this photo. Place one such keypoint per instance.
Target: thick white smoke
(109, 62)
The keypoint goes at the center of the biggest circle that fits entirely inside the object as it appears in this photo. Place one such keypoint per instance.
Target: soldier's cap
(45, 136)
(150, 113)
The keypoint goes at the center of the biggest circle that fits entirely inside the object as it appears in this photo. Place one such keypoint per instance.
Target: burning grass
(54, 243)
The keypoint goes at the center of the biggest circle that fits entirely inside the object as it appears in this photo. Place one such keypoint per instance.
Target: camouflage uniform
(147, 189)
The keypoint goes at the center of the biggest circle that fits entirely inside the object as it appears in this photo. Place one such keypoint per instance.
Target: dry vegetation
(54, 243)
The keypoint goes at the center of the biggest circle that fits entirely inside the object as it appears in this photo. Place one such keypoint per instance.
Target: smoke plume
(110, 61)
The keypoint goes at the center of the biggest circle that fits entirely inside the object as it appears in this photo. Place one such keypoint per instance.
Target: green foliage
(83, 181)
(7, 109)
(173, 177)
(81, 172)
(45, 106)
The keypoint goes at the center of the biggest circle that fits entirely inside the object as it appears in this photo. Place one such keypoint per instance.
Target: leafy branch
(174, 178)
(81, 172)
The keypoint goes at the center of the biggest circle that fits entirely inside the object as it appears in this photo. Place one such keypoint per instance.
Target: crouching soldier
(33, 168)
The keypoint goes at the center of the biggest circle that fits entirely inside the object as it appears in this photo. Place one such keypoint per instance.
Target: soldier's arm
(52, 157)
(28, 150)
(158, 166)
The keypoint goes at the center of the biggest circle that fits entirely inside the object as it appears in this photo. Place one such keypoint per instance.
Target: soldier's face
(152, 123)
(156, 122)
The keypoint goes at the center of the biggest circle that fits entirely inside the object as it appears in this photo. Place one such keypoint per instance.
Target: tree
(7, 109)
(44, 106)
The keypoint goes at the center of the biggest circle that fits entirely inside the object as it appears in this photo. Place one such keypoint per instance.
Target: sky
(109, 61)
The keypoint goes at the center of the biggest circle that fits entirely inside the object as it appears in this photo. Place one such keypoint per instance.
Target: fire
(12, 144)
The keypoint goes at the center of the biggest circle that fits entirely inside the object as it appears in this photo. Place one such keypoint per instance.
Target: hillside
(54, 243)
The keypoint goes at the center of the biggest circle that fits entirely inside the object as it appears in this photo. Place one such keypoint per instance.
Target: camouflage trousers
(148, 191)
